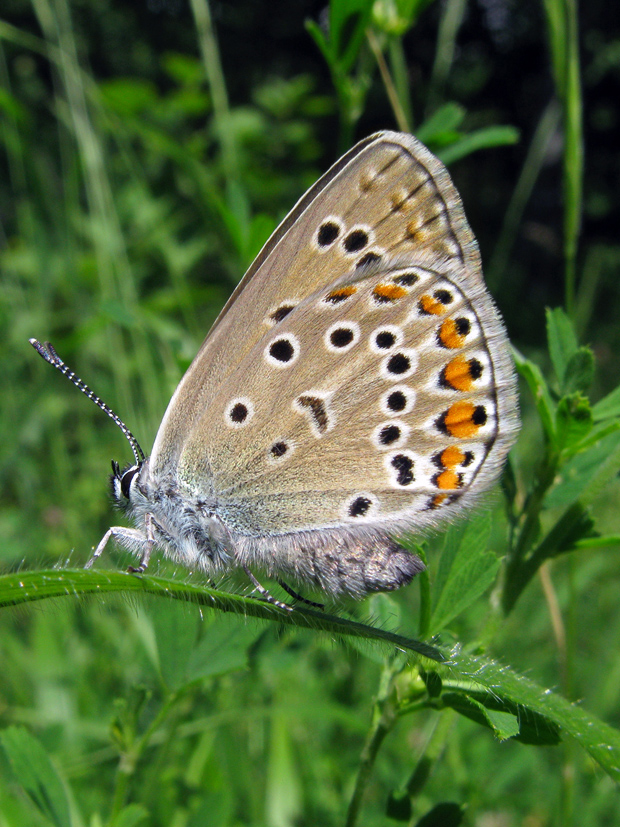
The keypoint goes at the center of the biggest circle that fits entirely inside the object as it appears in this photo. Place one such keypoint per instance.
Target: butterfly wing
(385, 399)
(387, 197)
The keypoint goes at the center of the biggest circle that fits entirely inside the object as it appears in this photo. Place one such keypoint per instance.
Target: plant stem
(217, 85)
(400, 73)
(390, 88)
(383, 719)
(573, 153)
(562, 32)
(518, 569)
(424, 581)
(434, 748)
(449, 26)
(130, 758)
(530, 171)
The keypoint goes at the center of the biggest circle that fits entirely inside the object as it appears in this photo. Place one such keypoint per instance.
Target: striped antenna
(49, 354)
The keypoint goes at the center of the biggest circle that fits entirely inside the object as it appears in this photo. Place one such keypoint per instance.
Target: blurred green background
(147, 150)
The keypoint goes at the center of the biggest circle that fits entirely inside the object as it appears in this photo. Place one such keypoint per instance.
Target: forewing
(387, 197)
(385, 397)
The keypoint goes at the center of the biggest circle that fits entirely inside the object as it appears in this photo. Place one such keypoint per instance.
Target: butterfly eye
(126, 479)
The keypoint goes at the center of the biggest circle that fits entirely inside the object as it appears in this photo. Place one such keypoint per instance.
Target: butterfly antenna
(49, 354)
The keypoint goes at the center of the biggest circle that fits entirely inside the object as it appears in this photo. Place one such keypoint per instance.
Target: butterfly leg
(264, 593)
(130, 538)
(148, 548)
(300, 597)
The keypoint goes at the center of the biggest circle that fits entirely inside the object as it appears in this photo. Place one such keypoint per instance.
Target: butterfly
(358, 384)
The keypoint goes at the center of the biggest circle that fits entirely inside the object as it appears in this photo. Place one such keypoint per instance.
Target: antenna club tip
(46, 351)
(38, 347)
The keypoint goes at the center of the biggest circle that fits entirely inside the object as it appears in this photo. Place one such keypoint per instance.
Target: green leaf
(562, 341)
(35, 772)
(283, 798)
(506, 719)
(127, 713)
(540, 391)
(573, 421)
(445, 119)
(434, 684)
(466, 569)
(608, 406)
(223, 648)
(601, 741)
(131, 816)
(26, 587)
(600, 541)
(186, 70)
(586, 473)
(127, 96)
(503, 724)
(11, 107)
(579, 373)
(481, 139)
(176, 628)
(575, 525)
(384, 611)
(318, 35)
(604, 473)
(347, 24)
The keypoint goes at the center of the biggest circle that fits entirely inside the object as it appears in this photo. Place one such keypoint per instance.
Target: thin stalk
(130, 759)
(597, 258)
(555, 613)
(532, 166)
(533, 506)
(563, 36)
(424, 581)
(383, 719)
(390, 88)
(400, 73)
(215, 76)
(434, 749)
(567, 798)
(449, 26)
(519, 570)
(573, 153)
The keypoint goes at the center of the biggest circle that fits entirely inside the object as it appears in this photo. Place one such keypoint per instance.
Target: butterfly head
(122, 482)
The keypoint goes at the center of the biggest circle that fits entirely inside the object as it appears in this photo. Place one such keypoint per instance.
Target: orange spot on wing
(457, 374)
(437, 500)
(448, 480)
(463, 419)
(389, 292)
(341, 293)
(431, 306)
(449, 335)
(452, 457)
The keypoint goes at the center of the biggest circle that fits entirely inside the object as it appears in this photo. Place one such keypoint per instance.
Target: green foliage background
(146, 153)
